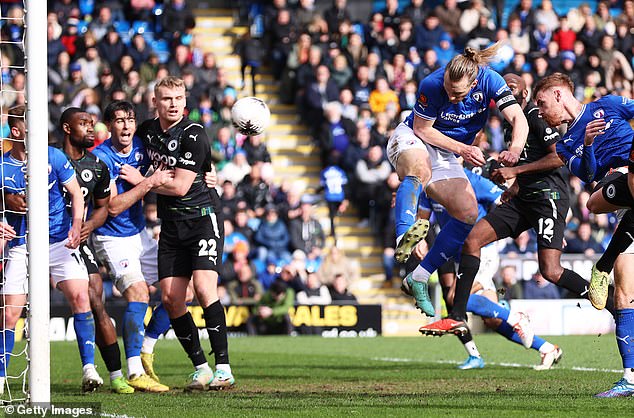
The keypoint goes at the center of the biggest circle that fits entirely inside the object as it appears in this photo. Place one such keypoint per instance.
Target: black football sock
(622, 238)
(187, 333)
(577, 285)
(469, 266)
(216, 325)
(465, 338)
(111, 356)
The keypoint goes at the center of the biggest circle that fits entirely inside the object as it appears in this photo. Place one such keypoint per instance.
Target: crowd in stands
(353, 79)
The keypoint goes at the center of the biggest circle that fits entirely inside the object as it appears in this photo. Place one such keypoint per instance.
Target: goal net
(24, 364)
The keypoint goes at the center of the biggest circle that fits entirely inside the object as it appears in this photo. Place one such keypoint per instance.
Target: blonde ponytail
(469, 62)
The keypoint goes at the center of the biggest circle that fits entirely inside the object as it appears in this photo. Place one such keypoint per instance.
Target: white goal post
(37, 199)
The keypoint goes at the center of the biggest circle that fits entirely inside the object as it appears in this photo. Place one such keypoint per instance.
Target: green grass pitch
(383, 377)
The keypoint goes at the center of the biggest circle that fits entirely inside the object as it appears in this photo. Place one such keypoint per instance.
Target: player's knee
(11, 317)
(79, 301)
(137, 292)
(550, 272)
(492, 323)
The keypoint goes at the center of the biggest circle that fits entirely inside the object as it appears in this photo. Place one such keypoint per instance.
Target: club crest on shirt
(86, 175)
(124, 263)
(598, 114)
(172, 145)
(478, 96)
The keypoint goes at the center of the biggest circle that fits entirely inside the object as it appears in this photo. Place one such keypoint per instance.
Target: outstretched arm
(424, 129)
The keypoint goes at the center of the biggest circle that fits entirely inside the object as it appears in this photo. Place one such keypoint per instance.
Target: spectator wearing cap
(272, 237)
(70, 38)
(102, 24)
(270, 316)
(270, 273)
(568, 59)
(236, 169)
(445, 49)
(75, 84)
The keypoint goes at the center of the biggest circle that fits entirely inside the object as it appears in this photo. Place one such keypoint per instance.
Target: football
(250, 116)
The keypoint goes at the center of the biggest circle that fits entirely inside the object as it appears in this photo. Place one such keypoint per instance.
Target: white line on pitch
(503, 364)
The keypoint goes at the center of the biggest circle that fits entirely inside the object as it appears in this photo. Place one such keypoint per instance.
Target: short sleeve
(427, 101)
(194, 148)
(61, 166)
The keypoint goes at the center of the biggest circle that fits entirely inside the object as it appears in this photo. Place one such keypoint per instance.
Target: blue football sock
(406, 203)
(507, 331)
(447, 244)
(133, 328)
(7, 340)
(537, 342)
(159, 323)
(84, 325)
(486, 308)
(625, 336)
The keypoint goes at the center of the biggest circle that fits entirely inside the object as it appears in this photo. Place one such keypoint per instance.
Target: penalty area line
(501, 364)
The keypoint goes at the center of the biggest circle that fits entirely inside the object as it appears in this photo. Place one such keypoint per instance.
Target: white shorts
(15, 282)
(489, 264)
(131, 259)
(65, 263)
(444, 164)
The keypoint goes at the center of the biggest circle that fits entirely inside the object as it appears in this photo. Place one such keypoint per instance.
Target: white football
(250, 116)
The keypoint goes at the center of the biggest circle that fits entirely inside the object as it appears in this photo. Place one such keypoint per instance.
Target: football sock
(84, 325)
(469, 266)
(148, 344)
(133, 333)
(469, 345)
(159, 323)
(7, 341)
(187, 334)
(406, 204)
(486, 308)
(111, 356)
(216, 325)
(624, 332)
(622, 238)
(542, 345)
(115, 374)
(577, 285)
(447, 244)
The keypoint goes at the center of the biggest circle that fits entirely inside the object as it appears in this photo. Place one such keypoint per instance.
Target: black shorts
(88, 255)
(191, 244)
(547, 217)
(615, 190)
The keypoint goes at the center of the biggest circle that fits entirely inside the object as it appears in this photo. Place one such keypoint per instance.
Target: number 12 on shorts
(546, 228)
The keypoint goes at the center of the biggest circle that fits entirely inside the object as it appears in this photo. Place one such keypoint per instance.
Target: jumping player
(191, 239)
(540, 201)
(483, 301)
(452, 106)
(598, 139)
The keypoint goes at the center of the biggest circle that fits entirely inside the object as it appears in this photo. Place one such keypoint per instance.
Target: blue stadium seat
(140, 26)
(161, 48)
(121, 26)
(82, 27)
(86, 7)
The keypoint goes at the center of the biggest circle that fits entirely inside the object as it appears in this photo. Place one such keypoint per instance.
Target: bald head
(518, 87)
